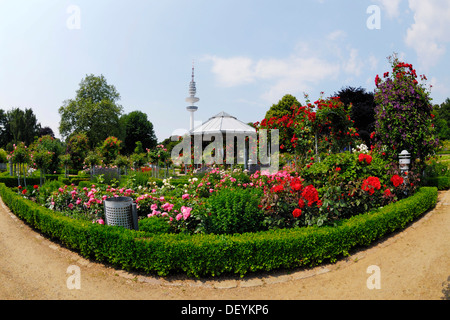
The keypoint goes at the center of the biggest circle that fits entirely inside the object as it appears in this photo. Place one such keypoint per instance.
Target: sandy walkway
(413, 264)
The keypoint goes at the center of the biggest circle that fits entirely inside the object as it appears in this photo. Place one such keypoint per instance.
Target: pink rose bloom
(185, 196)
(179, 216)
(186, 211)
(70, 206)
(100, 221)
(211, 190)
(78, 201)
(161, 199)
(154, 207)
(167, 206)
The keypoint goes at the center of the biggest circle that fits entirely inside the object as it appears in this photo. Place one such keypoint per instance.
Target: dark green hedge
(442, 182)
(12, 182)
(201, 255)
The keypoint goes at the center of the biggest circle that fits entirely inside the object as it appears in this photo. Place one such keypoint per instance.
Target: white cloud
(233, 71)
(429, 34)
(299, 72)
(354, 64)
(336, 35)
(391, 7)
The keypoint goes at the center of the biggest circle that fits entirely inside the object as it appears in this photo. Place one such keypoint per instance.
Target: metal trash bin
(121, 211)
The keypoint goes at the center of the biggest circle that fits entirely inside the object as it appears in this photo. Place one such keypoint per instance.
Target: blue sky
(248, 53)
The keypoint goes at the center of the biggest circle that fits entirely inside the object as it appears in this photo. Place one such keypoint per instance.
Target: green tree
(362, 110)
(94, 111)
(5, 132)
(283, 107)
(137, 127)
(442, 120)
(23, 125)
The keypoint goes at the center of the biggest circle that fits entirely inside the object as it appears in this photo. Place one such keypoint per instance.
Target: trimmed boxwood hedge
(202, 255)
(442, 182)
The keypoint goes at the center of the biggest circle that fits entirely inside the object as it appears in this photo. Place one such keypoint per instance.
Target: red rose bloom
(301, 203)
(296, 184)
(365, 157)
(370, 184)
(396, 180)
(277, 188)
(297, 213)
(310, 194)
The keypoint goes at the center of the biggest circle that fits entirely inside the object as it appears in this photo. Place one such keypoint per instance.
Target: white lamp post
(404, 161)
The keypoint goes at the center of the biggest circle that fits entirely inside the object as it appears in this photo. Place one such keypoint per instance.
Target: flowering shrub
(224, 201)
(323, 126)
(110, 149)
(403, 114)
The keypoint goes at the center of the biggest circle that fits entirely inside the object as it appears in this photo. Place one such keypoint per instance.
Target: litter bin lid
(119, 199)
(118, 202)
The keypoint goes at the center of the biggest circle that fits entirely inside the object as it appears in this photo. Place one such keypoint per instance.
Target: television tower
(192, 99)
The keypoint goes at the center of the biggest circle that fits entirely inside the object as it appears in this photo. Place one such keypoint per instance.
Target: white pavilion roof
(223, 123)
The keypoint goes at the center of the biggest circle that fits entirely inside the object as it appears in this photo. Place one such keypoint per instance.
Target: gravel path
(412, 264)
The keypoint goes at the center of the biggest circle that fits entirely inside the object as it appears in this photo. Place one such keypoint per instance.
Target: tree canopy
(362, 110)
(94, 111)
(283, 107)
(136, 127)
(442, 120)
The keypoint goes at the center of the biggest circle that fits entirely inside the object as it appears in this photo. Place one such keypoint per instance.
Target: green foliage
(362, 105)
(137, 127)
(77, 148)
(110, 149)
(233, 211)
(50, 145)
(283, 107)
(92, 159)
(442, 120)
(154, 225)
(138, 160)
(23, 126)
(94, 111)
(3, 156)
